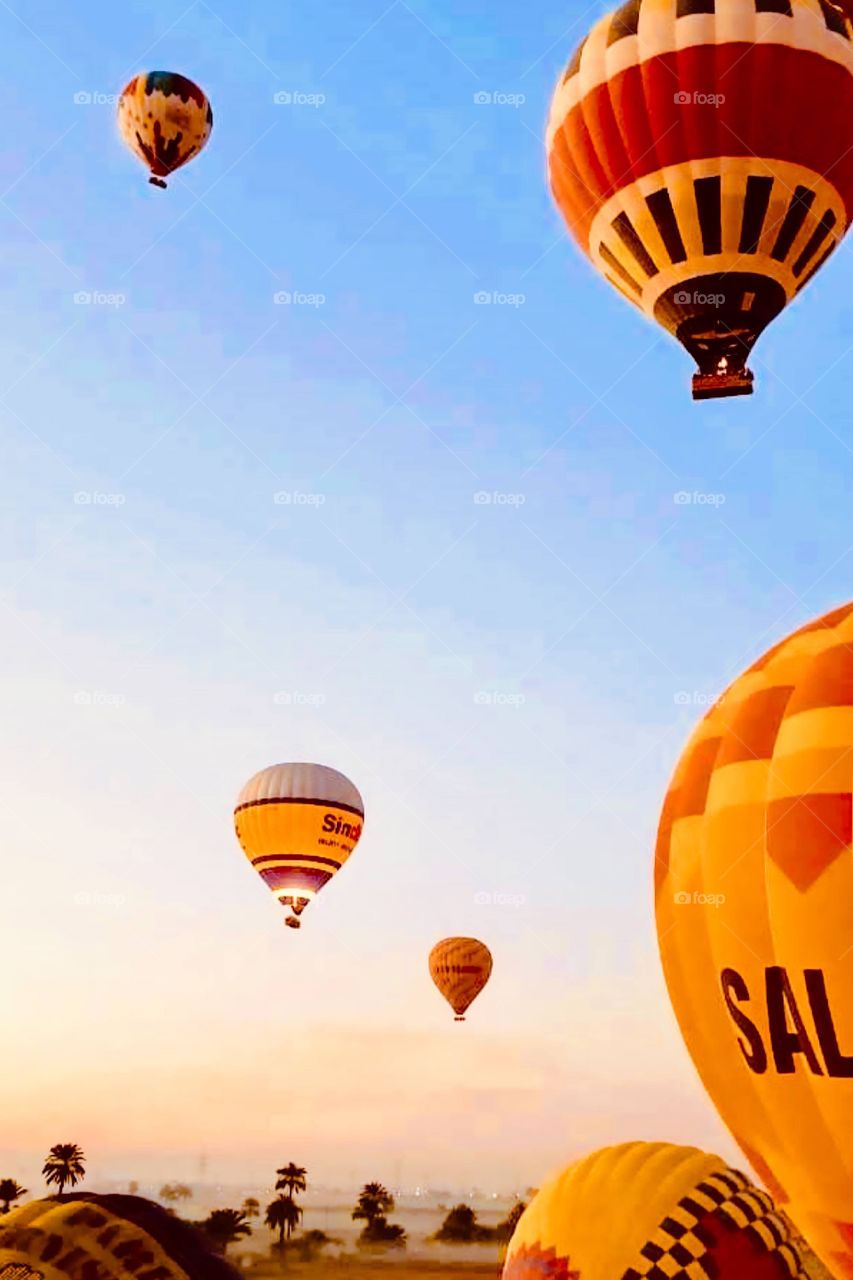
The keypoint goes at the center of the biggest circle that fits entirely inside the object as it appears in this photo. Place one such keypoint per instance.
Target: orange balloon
(165, 119)
(754, 900)
(460, 968)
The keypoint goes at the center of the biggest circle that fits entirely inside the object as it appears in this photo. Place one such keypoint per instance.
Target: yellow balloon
(754, 900)
(110, 1237)
(297, 824)
(651, 1211)
(460, 968)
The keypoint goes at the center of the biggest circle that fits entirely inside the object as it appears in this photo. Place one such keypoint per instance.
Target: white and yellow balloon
(298, 824)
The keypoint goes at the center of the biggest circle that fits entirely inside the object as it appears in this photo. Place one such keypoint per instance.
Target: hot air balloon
(297, 824)
(460, 968)
(104, 1237)
(165, 119)
(699, 151)
(754, 899)
(652, 1211)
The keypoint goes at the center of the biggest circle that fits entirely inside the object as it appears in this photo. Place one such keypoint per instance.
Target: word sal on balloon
(787, 1028)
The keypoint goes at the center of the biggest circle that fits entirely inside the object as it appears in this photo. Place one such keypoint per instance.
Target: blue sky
(508, 681)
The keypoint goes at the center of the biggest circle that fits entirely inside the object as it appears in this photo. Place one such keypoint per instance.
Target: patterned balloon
(651, 1211)
(460, 968)
(754, 893)
(109, 1237)
(297, 825)
(697, 152)
(165, 119)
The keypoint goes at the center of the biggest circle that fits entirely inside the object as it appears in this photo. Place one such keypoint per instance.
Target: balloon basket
(459, 1018)
(713, 386)
(293, 923)
(157, 182)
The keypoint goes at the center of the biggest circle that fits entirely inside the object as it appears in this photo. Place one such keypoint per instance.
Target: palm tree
(283, 1215)
(291, 1178)
(251, 1207)
(65, 1164)
(224, 1226)
(10, 1190)
(374, 1203)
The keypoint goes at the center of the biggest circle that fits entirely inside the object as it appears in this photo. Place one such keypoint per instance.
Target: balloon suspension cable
(157, 182)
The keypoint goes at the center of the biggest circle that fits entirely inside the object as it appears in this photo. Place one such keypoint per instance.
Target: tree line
(65, 1167)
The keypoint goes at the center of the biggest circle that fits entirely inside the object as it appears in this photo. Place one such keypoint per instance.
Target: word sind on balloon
(789, 1030)
(333, 825)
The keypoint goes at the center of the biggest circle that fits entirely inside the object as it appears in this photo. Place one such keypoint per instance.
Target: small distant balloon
(297, 824)
(460, 968)
(165, 119)
(648, 1211)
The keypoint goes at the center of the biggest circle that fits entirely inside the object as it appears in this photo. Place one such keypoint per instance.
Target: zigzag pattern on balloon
(684, 1245)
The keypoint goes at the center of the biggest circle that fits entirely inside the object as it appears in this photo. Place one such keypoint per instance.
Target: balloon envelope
(103, 1237)
(460, 968)
(652, 1211)
(297, 825)
(754, 901)
(706, 193)
(165, 119)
